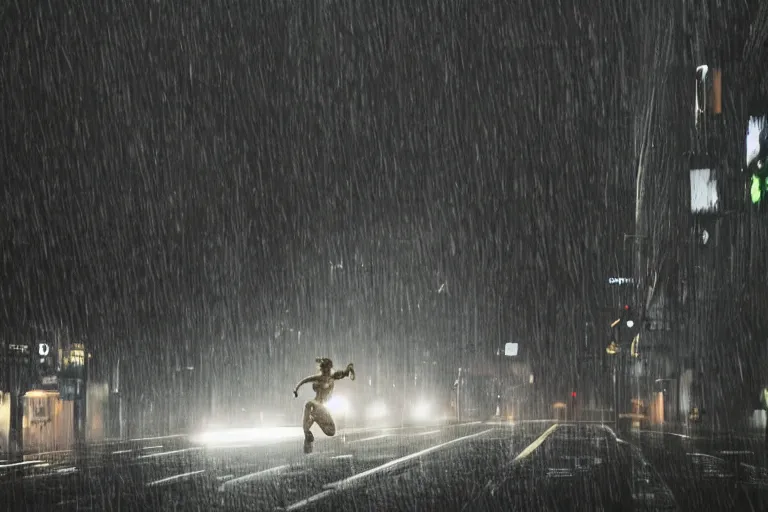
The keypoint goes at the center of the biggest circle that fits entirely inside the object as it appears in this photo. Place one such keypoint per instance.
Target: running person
(315, 410)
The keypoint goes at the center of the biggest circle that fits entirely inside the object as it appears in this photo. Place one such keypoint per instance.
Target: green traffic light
(758, 188)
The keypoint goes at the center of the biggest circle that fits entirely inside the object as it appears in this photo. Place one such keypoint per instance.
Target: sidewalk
(741, 450)
(704, 432)
(97, 447)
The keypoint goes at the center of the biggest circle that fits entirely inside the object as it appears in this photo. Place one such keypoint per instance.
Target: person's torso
(323, 388)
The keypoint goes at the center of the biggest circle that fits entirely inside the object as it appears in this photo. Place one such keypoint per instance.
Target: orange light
(717, 91)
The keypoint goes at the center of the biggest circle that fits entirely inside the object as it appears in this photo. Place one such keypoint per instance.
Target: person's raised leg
(324, 420)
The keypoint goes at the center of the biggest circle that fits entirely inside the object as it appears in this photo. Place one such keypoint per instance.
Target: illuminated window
(704, 197)
(709, 91)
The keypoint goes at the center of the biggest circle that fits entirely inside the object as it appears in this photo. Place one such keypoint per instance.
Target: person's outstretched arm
(306, 380)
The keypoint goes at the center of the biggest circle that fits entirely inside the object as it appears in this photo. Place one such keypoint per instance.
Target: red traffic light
(626, 307)
(573, 394)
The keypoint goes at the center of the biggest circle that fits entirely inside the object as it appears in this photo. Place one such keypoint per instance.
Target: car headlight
(377, 411)
(337, 405)
(422, 411)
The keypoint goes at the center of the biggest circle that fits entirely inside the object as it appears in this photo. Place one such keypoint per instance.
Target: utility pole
(18, 361)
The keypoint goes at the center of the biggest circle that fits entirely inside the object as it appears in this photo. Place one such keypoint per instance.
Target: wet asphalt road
(476, 466)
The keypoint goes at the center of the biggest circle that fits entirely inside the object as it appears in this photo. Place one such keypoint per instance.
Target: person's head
(324, 364)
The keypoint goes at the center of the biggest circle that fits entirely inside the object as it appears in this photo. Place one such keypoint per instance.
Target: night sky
(193, 170)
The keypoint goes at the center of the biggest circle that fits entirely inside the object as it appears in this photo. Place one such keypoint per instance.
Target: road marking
(337, 457)
(19, 464)
(224, 477)
(174, 478)
(352, 480)
(705, 456)
(427, 433)
(253, 476)
(52, 453)
(159, 447)
(118, 452)
(531, 447)
(303, 503)
(373, 438)
(235, 446)
(172, 452)
(347, 482)
(157, 438)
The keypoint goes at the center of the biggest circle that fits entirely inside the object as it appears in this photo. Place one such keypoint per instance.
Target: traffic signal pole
(16, 430)
(17, 361)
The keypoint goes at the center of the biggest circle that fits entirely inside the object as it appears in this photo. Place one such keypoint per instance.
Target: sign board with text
(73, 362)
(71, 389)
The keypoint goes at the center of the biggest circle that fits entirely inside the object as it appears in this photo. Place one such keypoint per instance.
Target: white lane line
(706, 456)
(531, 447)
(224, 477)
(308, 501)
(349, 481)
(19, 464)
(172, 452)
(156, 438)
(347, 456)
(427, 433)
(118, 452)
(373, 438)
(175, 478)
(159, 447)
(253, 476)
(53, 453)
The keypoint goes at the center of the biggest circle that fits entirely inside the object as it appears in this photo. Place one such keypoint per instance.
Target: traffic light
(627, 319)
(758, 186)
(574, 406)
(623, 329)
(758, 189)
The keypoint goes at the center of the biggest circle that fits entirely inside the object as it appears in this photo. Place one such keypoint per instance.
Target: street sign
(19, 353)
(71, 389)
(620, 280)
(43, 349)
(510, 349)
(73, 362)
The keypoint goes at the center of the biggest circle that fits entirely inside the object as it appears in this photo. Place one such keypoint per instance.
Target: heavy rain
(384, 255)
